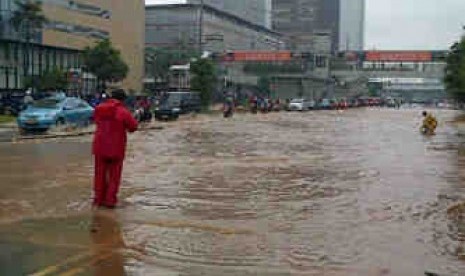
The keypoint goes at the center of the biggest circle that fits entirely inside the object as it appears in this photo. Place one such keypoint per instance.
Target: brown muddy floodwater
(320, 193)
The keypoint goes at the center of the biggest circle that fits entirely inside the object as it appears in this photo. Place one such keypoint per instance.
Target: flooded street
(358, 192)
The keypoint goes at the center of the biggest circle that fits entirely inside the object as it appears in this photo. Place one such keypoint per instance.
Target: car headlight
(176, 109)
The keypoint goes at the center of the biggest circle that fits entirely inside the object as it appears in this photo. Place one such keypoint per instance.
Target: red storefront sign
(259, 56)
(398, 56)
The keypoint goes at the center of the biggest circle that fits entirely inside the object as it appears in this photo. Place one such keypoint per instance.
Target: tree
(264, 85)
(203, 80)
(455, 71)
(159, 60)
(28, 20)
(105, 62)
(54, 80)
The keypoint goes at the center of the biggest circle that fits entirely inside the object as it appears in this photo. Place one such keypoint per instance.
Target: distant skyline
(406, 24)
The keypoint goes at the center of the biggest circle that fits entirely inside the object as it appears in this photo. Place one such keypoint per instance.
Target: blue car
(54, 111)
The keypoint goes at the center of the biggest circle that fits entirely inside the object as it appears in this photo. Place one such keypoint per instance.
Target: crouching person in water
(113, 121)
(429, 124)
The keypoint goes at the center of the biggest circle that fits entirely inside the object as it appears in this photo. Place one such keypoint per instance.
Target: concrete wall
(343, 19)
(255, 11)
(351, 25)
(126, 34)
(235, 37)
(170, 26)
(301, 20)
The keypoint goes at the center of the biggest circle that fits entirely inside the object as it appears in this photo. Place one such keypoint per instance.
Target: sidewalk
(8, 125)
(7, 122)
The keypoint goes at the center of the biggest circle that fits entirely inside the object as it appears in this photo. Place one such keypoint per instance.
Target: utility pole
(202, 5)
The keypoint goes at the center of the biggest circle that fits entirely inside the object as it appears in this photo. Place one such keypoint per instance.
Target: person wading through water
(113, 121)
(429, 124)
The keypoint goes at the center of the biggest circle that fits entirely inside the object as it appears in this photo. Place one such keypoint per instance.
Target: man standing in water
(113, 121)
(429, 124)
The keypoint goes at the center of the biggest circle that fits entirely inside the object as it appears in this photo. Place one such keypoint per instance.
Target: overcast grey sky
(407, 24)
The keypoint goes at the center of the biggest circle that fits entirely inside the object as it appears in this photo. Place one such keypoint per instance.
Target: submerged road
(358, 192)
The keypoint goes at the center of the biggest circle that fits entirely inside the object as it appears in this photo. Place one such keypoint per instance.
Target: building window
(81, 7)
(16, 78)
(16, 52)
(78, 30)
(40, 61)
(7, 51)
(54, 58)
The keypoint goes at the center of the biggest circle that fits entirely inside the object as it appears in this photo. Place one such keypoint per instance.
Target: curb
(70, 135)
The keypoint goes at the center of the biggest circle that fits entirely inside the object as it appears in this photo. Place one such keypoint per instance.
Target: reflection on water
(107, 244)
(319, 193)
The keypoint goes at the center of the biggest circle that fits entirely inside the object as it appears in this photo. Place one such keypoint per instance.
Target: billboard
(259, 56)
(399, 56)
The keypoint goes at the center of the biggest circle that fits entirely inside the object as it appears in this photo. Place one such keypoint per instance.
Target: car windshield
(297, 101)
(47, 103)
(172, 99)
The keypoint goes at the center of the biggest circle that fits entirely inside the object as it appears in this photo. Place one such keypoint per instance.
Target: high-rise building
(177, 26)
(72, 26)
(304, 20)
(255, 11)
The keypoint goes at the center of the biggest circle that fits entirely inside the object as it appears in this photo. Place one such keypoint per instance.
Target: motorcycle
(228, 111)
(253, 108)
(142, 115)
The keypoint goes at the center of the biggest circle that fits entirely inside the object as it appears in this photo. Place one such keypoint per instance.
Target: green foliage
(105, 62)
(6, 119)
(159, 60)
(455, 71)
(270, 68)
(203, 80)
(54, 80)
(264, 85)
(28, 18)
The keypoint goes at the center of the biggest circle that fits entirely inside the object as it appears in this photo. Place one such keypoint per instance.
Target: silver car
(299, 105)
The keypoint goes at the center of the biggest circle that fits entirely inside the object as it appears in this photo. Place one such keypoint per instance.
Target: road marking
(56, 267)
(81, 268)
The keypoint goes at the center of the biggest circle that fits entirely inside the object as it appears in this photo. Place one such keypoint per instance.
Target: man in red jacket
(113, 121)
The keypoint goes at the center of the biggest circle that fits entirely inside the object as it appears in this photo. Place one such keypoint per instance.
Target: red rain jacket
(113, 120)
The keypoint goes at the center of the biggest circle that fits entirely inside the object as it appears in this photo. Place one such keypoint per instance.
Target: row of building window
(78, 30)
(81, 7)
(12, 52)
(15, 60)
(10, 78)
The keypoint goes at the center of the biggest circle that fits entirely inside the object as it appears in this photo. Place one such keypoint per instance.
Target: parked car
(174, 104)
(299, 105)
(342, 104)
(389, 102)
(12, 103)
(325, 104)
(54, 111)
(277, 106)
(312, 104)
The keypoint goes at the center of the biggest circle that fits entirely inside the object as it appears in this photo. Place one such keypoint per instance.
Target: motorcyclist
(96, 100)
(228, 108)
(28, 99)
(143, 109)
(254, 104)
(429, 125)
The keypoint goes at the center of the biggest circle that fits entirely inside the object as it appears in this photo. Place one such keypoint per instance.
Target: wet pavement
(358, 192)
